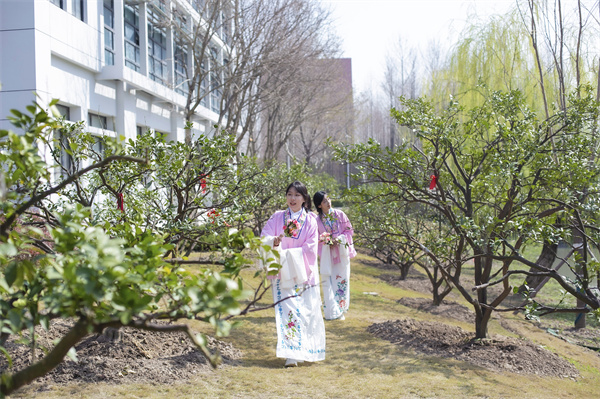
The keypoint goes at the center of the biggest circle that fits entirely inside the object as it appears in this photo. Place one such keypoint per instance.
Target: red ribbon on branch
(120, 203)
(433, 182)
(202, 178)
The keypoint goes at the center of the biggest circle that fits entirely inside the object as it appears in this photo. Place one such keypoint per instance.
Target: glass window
(199, 5)
(77, 9)
(109, 13)
(63, 154)
(181, 57)
(157, 47)
(99, 146)
(58, 3)
(204, 82)
(64, 111)
(109, 39)
(215, 81)
(109, 32)
(96, 120)
(132, 39)
(225, 28)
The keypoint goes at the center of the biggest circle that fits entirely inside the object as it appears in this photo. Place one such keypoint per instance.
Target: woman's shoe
(290, 363)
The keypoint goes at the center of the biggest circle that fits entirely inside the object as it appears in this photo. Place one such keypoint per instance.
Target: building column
(120, 88)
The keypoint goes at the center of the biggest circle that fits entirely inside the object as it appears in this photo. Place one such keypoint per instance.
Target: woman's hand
(277, 240)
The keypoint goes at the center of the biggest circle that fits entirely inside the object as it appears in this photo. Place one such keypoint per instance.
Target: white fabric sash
(325, 266)
(293, 271)
(344, 257)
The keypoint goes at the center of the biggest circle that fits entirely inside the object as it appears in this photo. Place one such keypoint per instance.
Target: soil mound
(497, 354)
(445, 309)
(122, 356)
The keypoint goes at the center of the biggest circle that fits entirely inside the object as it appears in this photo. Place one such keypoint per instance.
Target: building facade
(115, 64)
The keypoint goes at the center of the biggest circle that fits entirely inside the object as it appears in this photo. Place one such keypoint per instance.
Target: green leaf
(7, 356)
(10, 274)
(72, 354)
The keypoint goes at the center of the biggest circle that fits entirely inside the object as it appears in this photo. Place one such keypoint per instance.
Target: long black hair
(301, 188)
(318, 198)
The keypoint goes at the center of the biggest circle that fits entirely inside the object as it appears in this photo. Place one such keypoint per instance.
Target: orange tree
(504, 179)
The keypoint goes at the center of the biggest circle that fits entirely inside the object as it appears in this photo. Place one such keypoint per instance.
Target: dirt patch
(446, 309)
(414, 282)
(497, 354)
(122, 356)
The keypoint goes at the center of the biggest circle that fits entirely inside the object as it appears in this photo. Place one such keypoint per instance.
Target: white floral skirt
(336, 291)
(300, 327)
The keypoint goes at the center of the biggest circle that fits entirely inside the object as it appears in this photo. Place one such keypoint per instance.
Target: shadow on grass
(351, 348)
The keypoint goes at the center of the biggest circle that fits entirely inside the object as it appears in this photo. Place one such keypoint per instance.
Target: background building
(114, 64)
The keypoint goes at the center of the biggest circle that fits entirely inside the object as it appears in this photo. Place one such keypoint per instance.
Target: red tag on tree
(433, 182)
(120, 203)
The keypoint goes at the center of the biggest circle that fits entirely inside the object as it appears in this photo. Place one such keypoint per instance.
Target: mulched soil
(136, 356)
(497, 354)
(123, 356)
(446, 309)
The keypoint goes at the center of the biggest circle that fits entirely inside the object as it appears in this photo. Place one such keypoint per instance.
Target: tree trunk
(482, 319)
(546, 259)
(10, 383)
(404, 269)
(579, 245)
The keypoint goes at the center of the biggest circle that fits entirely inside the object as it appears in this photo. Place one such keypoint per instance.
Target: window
(98, 121)
(225, 28)
(66, 158)
(157, 47)
(199, 6)
(64, 111)
(161, 5)
(77, 9)
(132, 36)
(204, 83)
(139, 131)
(181, 84)
(99, 146)
(215, 82)
(109, 32)
(58, 3)
(215, 91)
(181, 22)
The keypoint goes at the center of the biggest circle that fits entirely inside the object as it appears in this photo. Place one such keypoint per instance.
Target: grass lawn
(359, 365)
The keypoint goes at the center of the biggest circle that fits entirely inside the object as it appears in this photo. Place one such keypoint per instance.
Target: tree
(259, 64)
(78, 266)
(496, 187)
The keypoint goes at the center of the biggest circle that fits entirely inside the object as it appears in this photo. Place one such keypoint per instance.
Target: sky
(370, 28)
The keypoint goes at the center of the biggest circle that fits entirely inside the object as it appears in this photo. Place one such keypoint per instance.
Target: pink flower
(291, 228)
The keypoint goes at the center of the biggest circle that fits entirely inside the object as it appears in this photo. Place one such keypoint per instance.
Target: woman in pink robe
(300, 327)
(336, 274)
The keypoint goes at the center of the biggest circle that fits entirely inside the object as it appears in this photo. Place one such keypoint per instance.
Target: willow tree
(545, 49)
